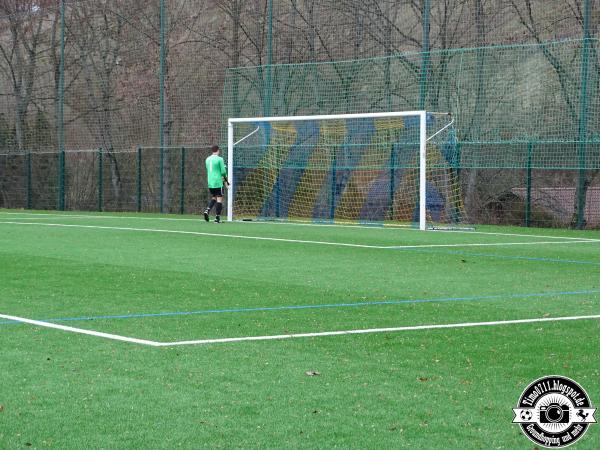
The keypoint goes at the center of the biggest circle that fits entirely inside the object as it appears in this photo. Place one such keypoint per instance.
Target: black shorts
(216, 192)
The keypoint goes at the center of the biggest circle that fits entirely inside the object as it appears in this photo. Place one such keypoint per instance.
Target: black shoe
(218, 219)
(206, 215)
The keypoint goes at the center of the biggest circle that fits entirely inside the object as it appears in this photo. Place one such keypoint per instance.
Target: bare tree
(235, 13)
(569, 12)
(20, 53)
(97, 36)
(480, 99)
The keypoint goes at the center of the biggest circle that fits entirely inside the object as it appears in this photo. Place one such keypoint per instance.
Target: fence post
(528, 184)
(333, 183)
(139, 179)
(61, 82)
(458, 160)
(29, 181)
(61, 180)
(583, 119)
(458, 206)
(269, 78)
(425, 56)
(182, 181)
(277, 193)
(61, 112)
(161, 175)
(162, 100)
(100, 180)
(392, 181)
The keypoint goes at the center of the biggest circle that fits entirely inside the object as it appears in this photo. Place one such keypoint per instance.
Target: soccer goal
(396, 167)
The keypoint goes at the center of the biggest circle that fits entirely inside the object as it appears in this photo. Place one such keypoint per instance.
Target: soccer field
(169, 332)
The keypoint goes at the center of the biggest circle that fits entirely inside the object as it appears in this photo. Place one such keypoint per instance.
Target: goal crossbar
(328, 117)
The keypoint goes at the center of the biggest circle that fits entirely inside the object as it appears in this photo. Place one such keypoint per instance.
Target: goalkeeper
(215, 175)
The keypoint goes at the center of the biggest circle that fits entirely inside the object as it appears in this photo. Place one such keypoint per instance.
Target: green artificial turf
(445, 388)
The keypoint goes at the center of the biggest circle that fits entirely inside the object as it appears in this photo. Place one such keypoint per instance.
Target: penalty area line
(196, 233)
(298, 241)
(116, 337)
(293, 222)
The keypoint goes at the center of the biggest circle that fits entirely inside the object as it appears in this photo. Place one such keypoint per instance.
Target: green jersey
(215, 171)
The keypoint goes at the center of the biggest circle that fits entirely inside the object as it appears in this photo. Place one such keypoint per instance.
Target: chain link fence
(86, 84)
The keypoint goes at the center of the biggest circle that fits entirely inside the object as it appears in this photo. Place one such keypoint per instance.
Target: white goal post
(253, 124)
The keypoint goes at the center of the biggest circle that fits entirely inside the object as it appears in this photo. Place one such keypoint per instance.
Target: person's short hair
(215, 148)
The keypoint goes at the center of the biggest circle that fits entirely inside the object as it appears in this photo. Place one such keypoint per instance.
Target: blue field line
(513, 257)
(319, 306)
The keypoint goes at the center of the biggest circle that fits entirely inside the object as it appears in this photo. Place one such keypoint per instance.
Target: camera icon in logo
(554, 413)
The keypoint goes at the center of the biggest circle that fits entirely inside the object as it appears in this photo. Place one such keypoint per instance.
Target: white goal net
(399, 168)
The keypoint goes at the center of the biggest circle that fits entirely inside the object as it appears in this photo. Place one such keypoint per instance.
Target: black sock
(210, 205)
(219, 208)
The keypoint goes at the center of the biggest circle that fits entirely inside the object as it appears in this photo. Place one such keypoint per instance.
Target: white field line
(183, 219)
(492, 233)
(411, 228)
(388, 227)
(489, 244)
(308, 223)
(32, 216)
(292, 336)
(114, 337)
(377, 330)
(194, 233)
(298, 241)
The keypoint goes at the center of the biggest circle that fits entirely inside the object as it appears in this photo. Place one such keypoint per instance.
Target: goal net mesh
(346, 170)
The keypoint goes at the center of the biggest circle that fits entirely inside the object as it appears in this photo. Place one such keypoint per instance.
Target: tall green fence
(104, 180)
(528, 123)
(112, 76)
